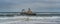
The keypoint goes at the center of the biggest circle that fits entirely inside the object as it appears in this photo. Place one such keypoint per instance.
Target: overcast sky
(35, 5)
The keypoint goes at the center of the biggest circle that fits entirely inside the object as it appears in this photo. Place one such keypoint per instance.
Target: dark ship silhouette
(29, 12)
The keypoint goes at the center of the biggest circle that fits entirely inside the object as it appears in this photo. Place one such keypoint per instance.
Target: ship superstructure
(28, 12)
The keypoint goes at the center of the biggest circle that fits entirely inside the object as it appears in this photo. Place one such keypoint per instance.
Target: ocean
(40, 18)
(30, 20)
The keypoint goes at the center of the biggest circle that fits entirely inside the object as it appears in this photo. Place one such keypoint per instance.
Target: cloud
(35, 5)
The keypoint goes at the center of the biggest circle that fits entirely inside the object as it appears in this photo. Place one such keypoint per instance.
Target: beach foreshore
(30, 20)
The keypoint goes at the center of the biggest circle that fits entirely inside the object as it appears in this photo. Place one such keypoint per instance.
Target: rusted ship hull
(27, 14)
